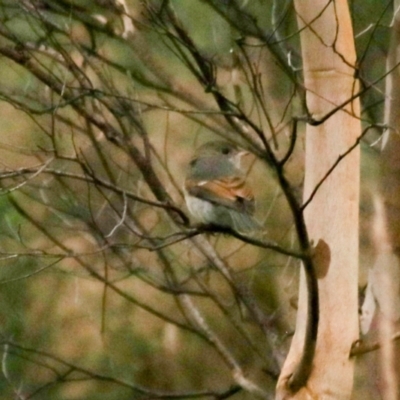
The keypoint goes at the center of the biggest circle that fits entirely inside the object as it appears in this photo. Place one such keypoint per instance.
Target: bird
(216, 191)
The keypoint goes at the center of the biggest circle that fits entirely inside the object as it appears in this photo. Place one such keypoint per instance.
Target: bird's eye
(225, 150)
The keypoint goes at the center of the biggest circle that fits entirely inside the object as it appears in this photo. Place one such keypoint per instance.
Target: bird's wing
(230, 192)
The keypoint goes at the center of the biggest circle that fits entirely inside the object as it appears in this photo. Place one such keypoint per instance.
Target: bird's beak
(238, 157)
(243, 153)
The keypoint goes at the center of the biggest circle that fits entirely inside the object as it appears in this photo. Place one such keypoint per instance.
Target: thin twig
(337, 162)
(360, 347)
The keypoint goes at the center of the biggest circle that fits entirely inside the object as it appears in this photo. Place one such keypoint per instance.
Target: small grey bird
(215, 189)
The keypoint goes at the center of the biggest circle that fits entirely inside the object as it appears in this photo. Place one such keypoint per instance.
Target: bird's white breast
(202, 211)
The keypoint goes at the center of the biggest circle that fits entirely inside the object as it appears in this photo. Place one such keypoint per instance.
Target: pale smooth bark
(332, 216)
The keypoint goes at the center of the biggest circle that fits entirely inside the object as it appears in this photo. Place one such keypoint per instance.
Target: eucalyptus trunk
(332, 216)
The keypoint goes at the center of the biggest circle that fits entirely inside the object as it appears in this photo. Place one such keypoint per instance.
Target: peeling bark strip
(332, 215)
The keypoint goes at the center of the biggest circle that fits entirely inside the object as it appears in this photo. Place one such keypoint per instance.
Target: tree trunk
(332, 216)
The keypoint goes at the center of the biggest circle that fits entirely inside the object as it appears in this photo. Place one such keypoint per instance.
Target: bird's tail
(245, 224)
